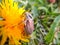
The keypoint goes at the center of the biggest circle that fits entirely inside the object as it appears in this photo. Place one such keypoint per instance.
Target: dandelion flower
(12, 25)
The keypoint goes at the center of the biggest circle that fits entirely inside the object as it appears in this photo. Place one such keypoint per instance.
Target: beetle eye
(30, 16)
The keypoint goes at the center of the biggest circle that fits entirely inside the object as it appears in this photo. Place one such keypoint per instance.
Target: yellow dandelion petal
(2, 23)
(13, 25)
(4, 37)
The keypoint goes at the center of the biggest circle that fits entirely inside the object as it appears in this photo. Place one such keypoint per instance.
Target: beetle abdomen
(29, 27)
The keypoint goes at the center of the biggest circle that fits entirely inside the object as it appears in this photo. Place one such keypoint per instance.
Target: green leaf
(43, 8)
(49, 37)
(34, 11)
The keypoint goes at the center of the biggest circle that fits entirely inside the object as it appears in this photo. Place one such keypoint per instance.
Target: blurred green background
(46, 15)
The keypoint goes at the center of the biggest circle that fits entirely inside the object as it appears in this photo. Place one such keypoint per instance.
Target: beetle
(29, 24)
